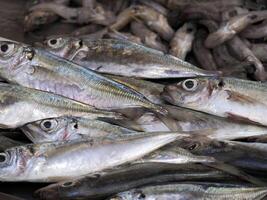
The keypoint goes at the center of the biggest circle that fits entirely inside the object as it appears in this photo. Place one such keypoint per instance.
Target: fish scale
(38, 68)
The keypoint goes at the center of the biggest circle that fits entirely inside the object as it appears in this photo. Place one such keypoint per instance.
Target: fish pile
(149, 100)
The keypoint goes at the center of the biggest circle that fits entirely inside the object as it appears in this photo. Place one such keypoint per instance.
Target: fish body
(39, 69)
(120, 57)
(182, 41)
(211, 126)
(71, 128)
(107, 183)
(226, 97)
(48, 162)
(21, 105)
(193, 191)
(246, 156)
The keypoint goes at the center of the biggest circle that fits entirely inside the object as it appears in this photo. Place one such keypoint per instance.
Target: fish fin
(235, 96)
(236, 172)
(240, 118)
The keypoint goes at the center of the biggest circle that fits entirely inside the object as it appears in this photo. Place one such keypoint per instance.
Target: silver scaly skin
(120, 57)
(195, 191)
(20, 105)
(236, 99)
(39, 69)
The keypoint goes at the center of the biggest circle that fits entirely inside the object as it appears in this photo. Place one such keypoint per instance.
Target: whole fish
(123, 58)
(232, 27)
(226, 97)
(18, 103)
(200, 123)
(239, 154)
(71, 128)
(189, 191)
(107, 183)
(4, 196)
(48, 162)
(39, 69)
(182, 41)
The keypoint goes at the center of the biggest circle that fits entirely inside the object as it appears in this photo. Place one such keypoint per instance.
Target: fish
(235, 25)
(80, 15)
(203, 54)
(98, 185)
(37, 68)
(199, 123)
(124, 36)
(246, 156)
(236, 99)
(182, 41)
(17, 105)
(243, 53)
(53, 162)
(189, 191)
(35, 19)
(255, 31)
(148, 37)
(181, 151)
(154, 20)
(71, 128)
(125, 58)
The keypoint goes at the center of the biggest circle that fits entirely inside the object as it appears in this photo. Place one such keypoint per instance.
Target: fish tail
(236, 172)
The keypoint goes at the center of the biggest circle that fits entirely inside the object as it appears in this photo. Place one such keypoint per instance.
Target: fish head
(13, 162)
(128, 195)
(67, 188)
(66, 47)
(14, 58)
(53, 129)
(190, 92)
(202, 145)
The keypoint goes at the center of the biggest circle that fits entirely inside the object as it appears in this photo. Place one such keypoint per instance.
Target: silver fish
(120, 57)
(71, 128)
(49, 162)
(226, 97)
(39, 69)
(197, 191)
(21, 105)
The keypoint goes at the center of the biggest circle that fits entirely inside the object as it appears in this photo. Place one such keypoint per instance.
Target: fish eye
(189, 84)
(6, 48)
(54, 42)
(48, 124)
(3, 157)
(68, 184)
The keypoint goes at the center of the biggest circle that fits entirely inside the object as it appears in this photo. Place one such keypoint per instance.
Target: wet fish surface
(226, 97)
(52, 162)
(193, 191)
(16, 98)
(39, 69)
(124, 58)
